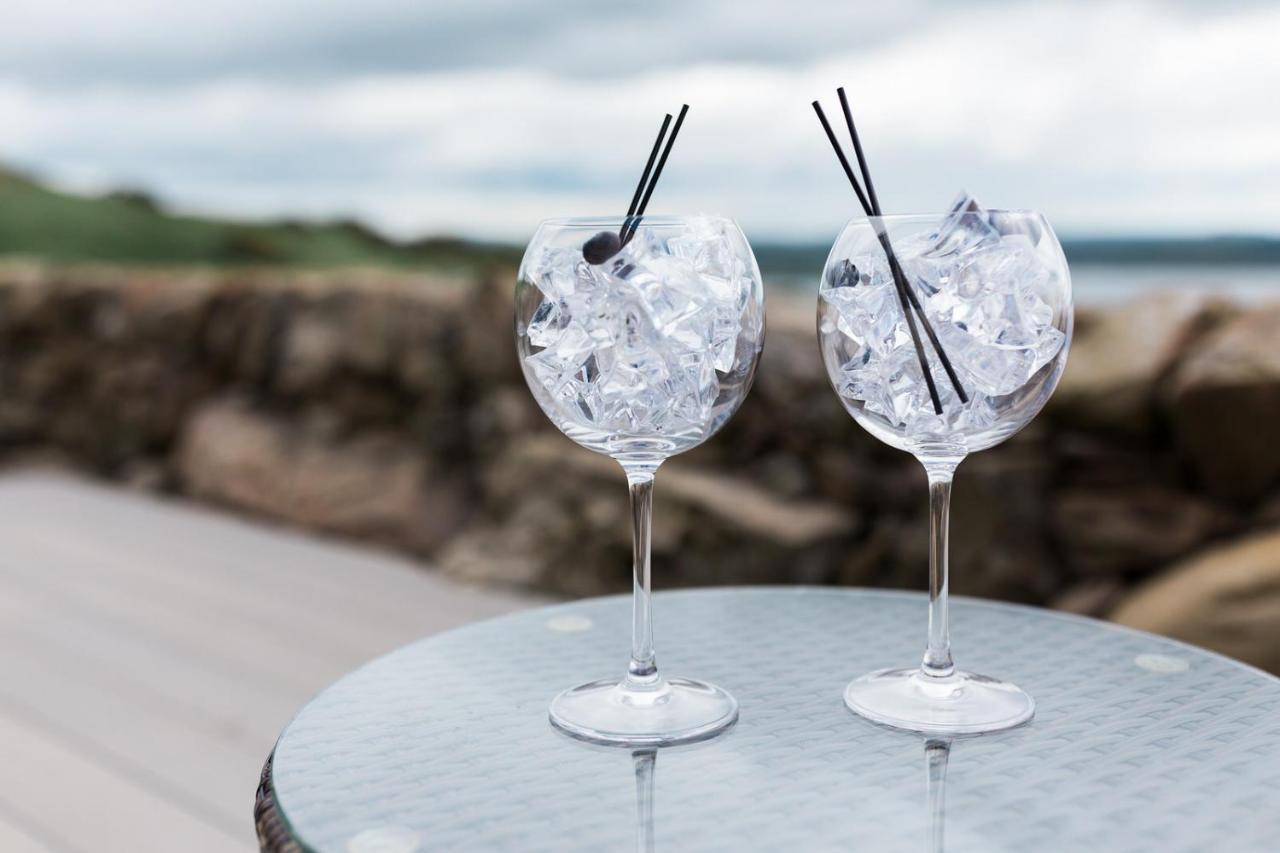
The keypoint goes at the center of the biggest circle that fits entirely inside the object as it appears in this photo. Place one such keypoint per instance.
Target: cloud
(160, 43)
(1130, 117)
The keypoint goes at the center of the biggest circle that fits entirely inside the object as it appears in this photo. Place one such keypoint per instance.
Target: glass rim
(941, 215)
(616, 220)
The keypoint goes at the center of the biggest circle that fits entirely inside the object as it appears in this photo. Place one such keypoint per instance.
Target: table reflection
(937, 752)
(646, 764)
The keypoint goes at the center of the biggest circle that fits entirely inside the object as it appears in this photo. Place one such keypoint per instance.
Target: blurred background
(256, 263)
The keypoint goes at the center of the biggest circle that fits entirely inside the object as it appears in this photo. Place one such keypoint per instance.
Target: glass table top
(1138, 743)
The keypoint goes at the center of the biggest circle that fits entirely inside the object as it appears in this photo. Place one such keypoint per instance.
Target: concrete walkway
(151, 651)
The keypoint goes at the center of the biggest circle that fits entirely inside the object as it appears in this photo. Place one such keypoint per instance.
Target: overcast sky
(483, 117)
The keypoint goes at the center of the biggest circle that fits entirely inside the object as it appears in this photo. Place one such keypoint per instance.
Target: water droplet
(1165, 664)
(385, 839)
(569, 623)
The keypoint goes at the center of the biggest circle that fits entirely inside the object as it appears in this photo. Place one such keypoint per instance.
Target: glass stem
(642, 673)
(937, 658)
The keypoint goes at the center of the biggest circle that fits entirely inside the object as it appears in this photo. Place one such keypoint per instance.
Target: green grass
(36, 221)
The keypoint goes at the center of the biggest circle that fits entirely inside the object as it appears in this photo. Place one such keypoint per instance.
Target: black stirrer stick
(899, 282)
(844, 161)
(657, 173)
(604, 245)
(644, 176)
(857, 150)
(895, 267)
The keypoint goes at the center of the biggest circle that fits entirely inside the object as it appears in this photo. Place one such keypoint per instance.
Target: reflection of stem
(646, 762)
(936, 754)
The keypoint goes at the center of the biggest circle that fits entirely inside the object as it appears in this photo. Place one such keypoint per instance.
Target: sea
(1103, 284)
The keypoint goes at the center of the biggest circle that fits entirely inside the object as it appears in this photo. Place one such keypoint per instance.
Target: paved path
(151, 651)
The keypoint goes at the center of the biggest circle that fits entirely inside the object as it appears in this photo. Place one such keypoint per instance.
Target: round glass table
(1138, 742)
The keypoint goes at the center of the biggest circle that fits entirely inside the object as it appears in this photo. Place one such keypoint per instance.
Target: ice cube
(556, 364)
(993, 324)
(725, 330)
(549, 320)
(708, 245)
(871, 312)
(885, 384)
(977, 414)
(965, 228)
(1008, 223)
(560, 269)
(843, 273)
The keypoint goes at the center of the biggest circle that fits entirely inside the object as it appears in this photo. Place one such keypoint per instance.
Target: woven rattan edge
(273, 833)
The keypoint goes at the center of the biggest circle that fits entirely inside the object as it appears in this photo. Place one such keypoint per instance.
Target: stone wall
(390, 408)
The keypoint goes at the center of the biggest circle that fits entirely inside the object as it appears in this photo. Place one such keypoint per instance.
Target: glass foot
(961, 703)
(676, 710)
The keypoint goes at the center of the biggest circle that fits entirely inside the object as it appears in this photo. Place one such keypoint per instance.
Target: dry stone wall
(390, 408)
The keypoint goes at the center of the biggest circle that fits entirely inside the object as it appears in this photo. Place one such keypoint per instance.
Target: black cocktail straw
(657, 173)
(606, 244)
(894, 266)
(644, 176)
(857, 150)
(844, 161)
(898, 281)
(906, 296)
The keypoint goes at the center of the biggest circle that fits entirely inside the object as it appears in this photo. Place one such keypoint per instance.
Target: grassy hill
(36, 221)
(123, 227)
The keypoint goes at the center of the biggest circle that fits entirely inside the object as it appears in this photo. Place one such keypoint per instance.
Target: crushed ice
(984, 290)
(639, 344)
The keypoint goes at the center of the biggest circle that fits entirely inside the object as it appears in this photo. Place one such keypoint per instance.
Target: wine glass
(640, 353)
(988, 296)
